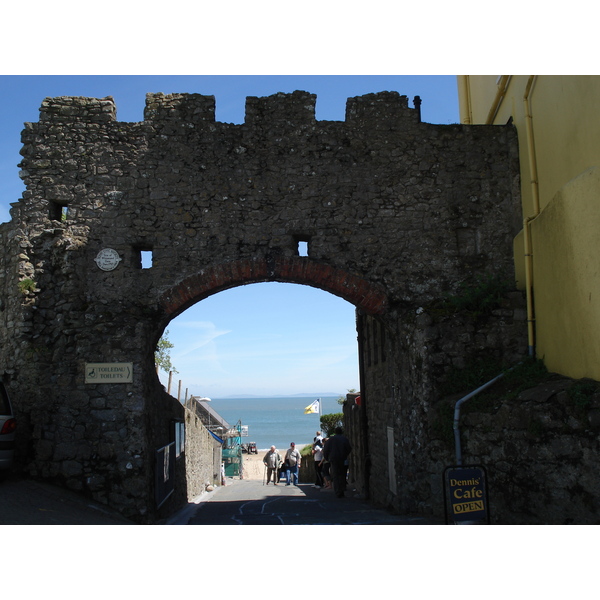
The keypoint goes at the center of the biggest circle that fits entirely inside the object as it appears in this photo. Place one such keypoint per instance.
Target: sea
(275, 421)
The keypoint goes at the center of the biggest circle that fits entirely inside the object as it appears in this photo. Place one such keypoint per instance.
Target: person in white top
(318, 456)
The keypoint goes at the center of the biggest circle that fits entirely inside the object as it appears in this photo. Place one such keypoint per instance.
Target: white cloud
(190, 336)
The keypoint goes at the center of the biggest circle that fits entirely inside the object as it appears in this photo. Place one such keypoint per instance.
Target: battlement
(188, 108)
(76, 108)
(297, 108)
(383, 110)
(280, 110)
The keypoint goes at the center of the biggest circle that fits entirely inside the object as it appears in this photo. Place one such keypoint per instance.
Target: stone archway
(396, 213)
(366, 296)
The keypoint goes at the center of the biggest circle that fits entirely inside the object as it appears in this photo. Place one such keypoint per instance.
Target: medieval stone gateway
(396, 214)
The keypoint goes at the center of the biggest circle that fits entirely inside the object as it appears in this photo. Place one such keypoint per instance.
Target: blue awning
(216, 437)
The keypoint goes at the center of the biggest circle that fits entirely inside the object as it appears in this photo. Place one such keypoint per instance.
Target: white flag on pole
(315, 407)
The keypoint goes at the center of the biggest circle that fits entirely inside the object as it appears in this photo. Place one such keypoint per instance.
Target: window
(302, 248)
(58, 212)
(302, 242)
(143, 257)
(146, 259)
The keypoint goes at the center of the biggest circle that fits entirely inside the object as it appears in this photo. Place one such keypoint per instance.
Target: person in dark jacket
(336, 452)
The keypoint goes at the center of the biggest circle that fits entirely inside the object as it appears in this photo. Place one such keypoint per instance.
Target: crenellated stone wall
(396, 214)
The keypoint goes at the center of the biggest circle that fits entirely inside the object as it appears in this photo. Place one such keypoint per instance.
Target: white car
(8, 426)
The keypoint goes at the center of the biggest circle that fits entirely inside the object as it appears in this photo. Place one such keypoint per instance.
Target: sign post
(465, 491)
(109, 373)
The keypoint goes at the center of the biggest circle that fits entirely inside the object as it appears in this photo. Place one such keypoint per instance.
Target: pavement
(251, 502)
(240, 502)
(28, 502)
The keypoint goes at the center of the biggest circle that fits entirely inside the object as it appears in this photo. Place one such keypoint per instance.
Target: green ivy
(443, 423)
(477, 372)
(528, 374)
(478, 298)
(581, 392)
(26, 285)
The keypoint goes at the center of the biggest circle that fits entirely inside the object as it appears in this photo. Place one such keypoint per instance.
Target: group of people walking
(290, 466)
(331, 462)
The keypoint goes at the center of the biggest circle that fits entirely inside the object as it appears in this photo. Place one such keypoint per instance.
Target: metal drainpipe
(535, 195)
(535, 189)
(466, 117)
(503, 82)
(457, 411)
(529, 287)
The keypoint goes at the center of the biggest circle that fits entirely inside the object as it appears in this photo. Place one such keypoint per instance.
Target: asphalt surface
(240, 502)
(28, 502)
(250, 502)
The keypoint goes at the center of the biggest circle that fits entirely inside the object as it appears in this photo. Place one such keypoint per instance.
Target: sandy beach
(253, 463)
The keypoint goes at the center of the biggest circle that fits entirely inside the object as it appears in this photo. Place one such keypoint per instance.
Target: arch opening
(264, 351)
(364, 295)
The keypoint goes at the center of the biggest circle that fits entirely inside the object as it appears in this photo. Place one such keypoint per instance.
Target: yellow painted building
(557, 254)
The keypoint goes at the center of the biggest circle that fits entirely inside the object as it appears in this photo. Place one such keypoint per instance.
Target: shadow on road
(247, 502)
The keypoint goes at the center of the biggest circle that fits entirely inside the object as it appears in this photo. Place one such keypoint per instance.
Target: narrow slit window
(146, 259)
(59, 212)
(302, 248)
(142, 257)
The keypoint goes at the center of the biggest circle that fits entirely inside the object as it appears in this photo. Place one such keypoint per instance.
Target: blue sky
(261, 339)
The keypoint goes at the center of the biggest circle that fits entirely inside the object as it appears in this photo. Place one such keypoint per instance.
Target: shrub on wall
(330, 422)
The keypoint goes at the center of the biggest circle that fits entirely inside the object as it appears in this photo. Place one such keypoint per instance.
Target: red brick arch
(364, 295)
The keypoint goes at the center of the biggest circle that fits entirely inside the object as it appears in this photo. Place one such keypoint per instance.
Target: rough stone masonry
(396, 213)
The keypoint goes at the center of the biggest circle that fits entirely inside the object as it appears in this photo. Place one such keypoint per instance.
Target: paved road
(249, 502)
(28, 502)
(240, 502)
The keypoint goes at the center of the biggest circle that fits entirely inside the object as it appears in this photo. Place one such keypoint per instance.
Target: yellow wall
(558, 122)
(566, 242)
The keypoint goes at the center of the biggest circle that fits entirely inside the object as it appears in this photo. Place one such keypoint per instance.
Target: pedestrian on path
(292, 462)
(272, 461)
(318, 457)
(336, 451)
